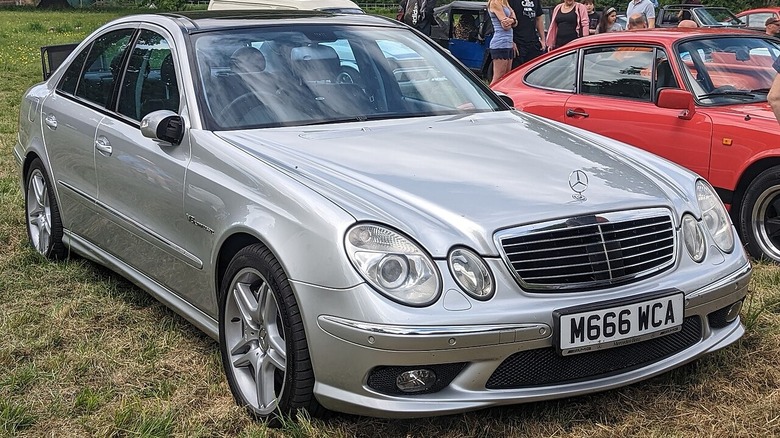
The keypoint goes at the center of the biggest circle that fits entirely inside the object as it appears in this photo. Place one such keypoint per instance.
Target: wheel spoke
(247, 304)
(242, 346)
(267, 302)
(248, 359)
(772, 227)
(39, 189)
(265, 379)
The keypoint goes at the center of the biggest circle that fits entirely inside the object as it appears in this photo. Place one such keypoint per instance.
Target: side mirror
(163, 125)
(507, 100)
(675, 98)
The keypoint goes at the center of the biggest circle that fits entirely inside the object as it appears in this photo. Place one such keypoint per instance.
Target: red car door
(616, 98)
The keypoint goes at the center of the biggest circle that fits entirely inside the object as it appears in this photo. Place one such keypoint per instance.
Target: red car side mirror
(675, 98)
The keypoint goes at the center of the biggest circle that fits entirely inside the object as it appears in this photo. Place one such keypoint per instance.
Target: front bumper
(347, 352)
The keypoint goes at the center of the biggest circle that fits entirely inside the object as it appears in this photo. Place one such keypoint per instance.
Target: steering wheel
(348, 75)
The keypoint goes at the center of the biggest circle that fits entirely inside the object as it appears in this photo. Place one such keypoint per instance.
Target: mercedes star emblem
(578, 181)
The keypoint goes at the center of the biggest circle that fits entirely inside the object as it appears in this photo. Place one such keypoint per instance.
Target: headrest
(247, 60)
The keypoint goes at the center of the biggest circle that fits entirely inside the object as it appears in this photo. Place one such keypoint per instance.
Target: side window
(558, 74)
(71, 77)
(664, 77)
(618, 72)
(149, 83)
(101, 67)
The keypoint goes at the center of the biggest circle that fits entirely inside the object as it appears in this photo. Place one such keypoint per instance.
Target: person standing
(569, 21)
(773, 97)
(637, 21)
(502, 47)
(608, 22)
(772, 26)
(419, 14)
(593, 15)
(528, 35)
(644, 7)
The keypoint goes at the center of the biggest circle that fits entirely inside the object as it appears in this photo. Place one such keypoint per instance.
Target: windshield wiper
(760, 90)
(742, 94)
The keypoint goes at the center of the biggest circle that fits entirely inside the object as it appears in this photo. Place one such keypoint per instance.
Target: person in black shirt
(593, 15)
(529, 33)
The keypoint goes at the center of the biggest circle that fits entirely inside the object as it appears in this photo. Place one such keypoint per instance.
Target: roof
(196, 21)
(461, 4)
(661, 35)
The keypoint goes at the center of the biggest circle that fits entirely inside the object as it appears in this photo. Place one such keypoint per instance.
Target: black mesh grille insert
(545, 367)
(717, 319)
(589, 251)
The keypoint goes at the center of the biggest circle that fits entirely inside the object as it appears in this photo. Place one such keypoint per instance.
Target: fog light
(733, 312)
(415, 380)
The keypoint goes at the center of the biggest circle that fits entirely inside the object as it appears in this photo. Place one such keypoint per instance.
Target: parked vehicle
(704, 16)
(401, 244)
(756, 18)
(697, 98)
(474, 52)
(335, 6)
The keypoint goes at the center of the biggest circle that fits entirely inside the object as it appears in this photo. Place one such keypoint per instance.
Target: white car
(335, 6)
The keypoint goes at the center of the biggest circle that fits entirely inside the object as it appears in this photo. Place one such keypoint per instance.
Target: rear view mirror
(675, 98)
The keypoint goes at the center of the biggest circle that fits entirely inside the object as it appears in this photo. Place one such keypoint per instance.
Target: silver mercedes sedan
(362, 224)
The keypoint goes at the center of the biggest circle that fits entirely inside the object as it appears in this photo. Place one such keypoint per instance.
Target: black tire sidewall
(294, 389)
(757, 187)
(56, 249)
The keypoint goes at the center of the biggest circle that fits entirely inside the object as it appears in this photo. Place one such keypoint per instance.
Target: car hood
(446, 180)
(760, 110)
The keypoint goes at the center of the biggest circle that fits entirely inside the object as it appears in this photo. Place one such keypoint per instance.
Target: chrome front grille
(590, 251)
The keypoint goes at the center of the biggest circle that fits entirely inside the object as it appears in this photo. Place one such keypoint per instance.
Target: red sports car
(756, 18)
(694, 96)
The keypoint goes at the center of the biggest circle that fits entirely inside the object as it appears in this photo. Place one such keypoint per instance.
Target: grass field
(85, 353)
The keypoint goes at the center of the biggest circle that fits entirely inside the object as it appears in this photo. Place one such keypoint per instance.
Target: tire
(759, 216)
(44, 224)
(262, 340)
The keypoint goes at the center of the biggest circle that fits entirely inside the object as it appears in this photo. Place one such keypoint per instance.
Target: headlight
(714, 216)
(693, 236)
(393, 264)
(471, 273)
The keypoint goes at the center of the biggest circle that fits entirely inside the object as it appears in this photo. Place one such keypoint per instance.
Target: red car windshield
(729, 70)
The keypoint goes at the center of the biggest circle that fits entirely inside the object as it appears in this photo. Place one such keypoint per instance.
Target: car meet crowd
(368, 222)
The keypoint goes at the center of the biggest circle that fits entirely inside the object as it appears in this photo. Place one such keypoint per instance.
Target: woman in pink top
(569, 21)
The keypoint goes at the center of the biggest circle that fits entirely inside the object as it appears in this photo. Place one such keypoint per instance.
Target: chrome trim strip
(421, 338)
(172, 248)
(742, 275)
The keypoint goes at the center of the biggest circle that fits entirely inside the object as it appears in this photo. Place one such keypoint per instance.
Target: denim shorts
(502, 53)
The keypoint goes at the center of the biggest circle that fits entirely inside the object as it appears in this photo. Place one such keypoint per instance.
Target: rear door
(70, 118)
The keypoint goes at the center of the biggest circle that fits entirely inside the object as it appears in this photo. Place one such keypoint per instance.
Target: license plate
(610, 324)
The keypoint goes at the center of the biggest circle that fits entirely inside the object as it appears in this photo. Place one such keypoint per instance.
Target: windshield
(284, 76)
(729, 70)
(717, 17)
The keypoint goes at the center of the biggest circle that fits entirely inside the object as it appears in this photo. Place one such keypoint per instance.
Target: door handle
(103, 146)
(572, 113)
(51, 121)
